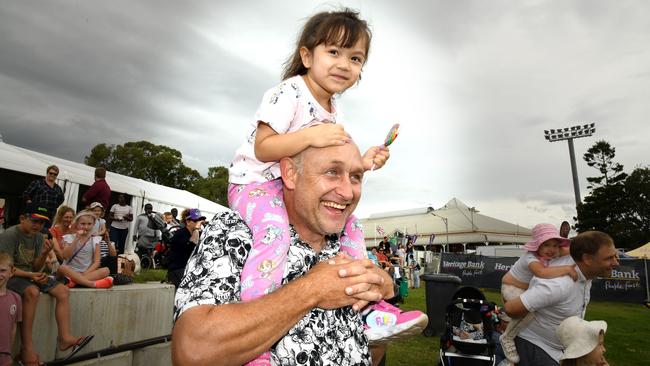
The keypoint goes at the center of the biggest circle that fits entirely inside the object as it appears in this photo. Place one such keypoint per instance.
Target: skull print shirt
(212, 276)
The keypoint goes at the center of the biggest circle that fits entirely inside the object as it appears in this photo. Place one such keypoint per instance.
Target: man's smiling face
(327, 188)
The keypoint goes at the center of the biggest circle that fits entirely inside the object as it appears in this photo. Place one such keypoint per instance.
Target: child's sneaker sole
(398, 332)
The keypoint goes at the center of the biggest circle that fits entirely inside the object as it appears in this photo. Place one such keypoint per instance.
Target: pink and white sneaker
(385, 323)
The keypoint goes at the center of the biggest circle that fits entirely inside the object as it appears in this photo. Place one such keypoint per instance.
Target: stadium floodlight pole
(570, 133)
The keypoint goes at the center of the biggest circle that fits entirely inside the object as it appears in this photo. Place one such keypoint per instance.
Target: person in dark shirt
(45, 192)
(384, 246)
(99, 191)
(182, 245)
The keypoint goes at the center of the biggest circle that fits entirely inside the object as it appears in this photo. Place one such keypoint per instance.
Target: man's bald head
(322, 187)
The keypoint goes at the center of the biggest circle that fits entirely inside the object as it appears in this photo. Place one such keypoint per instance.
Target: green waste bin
(439, 289)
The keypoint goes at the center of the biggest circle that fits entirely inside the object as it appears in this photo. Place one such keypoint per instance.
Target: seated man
(313, 317)
(182, 245)
(556, 299)
(25, 244)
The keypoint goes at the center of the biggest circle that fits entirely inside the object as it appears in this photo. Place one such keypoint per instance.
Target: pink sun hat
(542, 233)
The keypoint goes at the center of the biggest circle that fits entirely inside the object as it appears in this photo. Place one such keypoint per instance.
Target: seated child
(82, 255)
(108, 254)
(583, 342)
(10, 310)
(99, 228)
(536, 261)
(470, 328)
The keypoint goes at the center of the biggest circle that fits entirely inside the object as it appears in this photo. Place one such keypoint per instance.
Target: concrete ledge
(158, 354)
(120, 315)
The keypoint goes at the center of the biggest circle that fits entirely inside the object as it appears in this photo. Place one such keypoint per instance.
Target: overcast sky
(473, 84)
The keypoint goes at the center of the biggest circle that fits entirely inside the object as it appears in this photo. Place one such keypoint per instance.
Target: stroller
(468, 330)
(158, 256)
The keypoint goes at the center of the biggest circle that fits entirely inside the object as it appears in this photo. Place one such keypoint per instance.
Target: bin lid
(441, 277)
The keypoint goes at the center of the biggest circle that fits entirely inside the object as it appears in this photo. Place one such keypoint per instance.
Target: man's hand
(339, 285)
(375, 156)
(364, 292)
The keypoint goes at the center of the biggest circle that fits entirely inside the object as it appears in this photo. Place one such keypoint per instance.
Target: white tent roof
(31, 162)
(455, 220)
(640, 252)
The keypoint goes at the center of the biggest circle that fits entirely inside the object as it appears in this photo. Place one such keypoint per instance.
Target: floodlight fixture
(570, 133)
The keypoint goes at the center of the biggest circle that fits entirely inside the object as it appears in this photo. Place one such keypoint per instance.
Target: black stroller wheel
(145, 262)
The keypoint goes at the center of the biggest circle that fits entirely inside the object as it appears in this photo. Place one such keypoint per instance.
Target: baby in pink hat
(546, 245)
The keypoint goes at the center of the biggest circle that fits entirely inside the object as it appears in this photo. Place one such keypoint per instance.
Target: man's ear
(306, 57)
(289, 171)
(587, 259)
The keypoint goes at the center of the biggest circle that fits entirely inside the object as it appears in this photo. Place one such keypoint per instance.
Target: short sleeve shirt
(554, 300)
(520, 270)
(22, 248)
(212, 276)
(10, 314)
(85, 253)
(119, 212)
(288, 107)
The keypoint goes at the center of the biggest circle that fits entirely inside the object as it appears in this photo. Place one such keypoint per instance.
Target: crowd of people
(54, 248)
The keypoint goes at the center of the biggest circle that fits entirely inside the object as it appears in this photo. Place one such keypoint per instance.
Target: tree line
(618, 203)
(161, 165)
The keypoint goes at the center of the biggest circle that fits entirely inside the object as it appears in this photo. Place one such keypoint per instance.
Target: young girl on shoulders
(301, 112)
(546, 245)
(82, 255)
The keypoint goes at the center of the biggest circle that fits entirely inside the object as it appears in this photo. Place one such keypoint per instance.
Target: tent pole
(647, 287)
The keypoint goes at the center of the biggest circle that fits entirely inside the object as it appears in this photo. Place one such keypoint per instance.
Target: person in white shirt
(556, 299)
(121, 216)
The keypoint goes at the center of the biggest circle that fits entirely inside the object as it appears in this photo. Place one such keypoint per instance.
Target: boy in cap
(26, 246)
(182, 244)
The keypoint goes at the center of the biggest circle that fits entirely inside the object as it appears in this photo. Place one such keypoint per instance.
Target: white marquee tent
(19, 166)
(454, 223)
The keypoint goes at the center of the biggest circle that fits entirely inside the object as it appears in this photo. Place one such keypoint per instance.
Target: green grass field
(150, 275)
(626, 340)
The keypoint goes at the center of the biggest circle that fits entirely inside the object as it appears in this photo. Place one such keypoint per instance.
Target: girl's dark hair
(343, 28)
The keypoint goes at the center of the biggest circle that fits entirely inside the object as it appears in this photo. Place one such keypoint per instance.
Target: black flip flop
(77, 347)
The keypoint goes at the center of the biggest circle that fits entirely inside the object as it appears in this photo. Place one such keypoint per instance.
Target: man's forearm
(233, 334)
(515, 308)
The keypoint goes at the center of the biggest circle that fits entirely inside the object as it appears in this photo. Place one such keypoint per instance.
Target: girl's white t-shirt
(84, 257)
(520, 270)
(288, 107)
